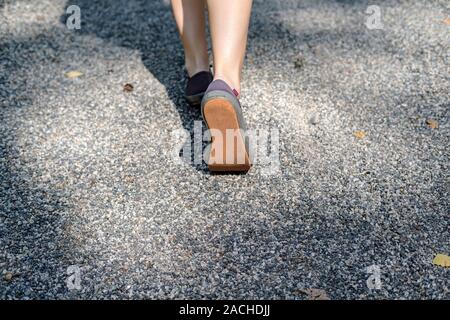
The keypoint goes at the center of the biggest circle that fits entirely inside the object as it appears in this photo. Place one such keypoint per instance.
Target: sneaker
(196, 87)
(222, 113)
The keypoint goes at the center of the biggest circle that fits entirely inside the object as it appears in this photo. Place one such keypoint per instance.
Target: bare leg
(190, 18)
(229, 20)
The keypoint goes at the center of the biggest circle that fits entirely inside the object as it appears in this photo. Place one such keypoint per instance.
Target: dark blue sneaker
(196, 87)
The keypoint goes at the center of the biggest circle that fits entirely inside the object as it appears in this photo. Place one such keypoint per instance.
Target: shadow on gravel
(34, 239)
(32, 223)
(32, 229)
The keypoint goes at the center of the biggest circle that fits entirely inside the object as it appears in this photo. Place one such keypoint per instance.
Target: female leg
(229, 22)
(190, 18)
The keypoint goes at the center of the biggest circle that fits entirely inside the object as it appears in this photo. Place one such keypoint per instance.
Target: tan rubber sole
(228, 152)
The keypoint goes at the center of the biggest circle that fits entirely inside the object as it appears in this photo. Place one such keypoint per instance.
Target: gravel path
(88, 178)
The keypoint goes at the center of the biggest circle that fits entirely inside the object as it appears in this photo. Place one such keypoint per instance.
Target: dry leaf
(442, 260)
(128, 87)
(433, 124)
(446, 21)
(359, 134)
(315, 294)
(73, 74)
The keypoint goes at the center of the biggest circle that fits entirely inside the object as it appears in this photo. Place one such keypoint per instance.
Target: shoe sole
(221, 115)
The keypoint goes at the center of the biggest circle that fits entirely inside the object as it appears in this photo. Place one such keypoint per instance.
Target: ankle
(193, 67)
(233, 82)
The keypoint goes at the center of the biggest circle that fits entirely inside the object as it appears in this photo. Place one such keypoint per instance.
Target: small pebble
(8, 276)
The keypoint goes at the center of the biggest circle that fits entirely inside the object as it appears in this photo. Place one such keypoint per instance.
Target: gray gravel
(87, 178)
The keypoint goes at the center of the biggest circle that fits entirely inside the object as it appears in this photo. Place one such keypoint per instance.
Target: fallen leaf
(359, 134)
(315, 294)
(8, 276)
(442, 260)
(446, 21)
(128, 87)
(433, 124)
(73, 74)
